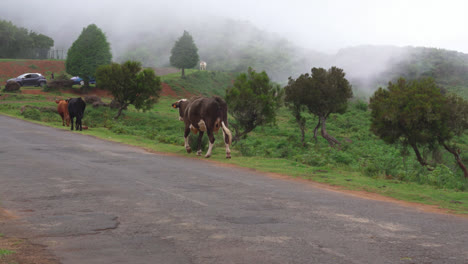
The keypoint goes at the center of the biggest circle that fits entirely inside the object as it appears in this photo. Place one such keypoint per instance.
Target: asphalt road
(93, 201)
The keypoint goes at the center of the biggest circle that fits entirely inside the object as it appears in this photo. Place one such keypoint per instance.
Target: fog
(316, 32)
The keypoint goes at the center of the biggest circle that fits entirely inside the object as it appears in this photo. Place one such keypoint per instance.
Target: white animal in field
(202, 65)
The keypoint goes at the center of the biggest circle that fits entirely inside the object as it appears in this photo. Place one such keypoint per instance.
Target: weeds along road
(92, 201)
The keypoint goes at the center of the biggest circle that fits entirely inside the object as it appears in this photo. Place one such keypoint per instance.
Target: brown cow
(204, 114)
(62, 109)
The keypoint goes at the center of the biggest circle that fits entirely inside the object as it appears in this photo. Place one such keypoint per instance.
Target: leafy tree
(455, 117)
(411, 114)
(323, 92)
(252, 101)
(87, 53)
(17, 42)
(295, 92)
(129, 84)
(184, 54)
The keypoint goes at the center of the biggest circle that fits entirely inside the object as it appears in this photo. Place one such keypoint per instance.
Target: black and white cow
(76, 107)
(202, 114)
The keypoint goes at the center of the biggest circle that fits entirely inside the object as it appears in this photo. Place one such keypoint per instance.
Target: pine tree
(184, 54)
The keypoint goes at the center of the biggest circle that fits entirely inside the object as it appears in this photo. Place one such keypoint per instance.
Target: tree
(322, 93)
(410, 114)
(252, 101)
(455, 117)
(87, 53)
(294, 99)
(129, 84)
(184, 54)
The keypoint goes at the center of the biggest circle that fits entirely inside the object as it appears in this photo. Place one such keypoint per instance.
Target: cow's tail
(227, 132)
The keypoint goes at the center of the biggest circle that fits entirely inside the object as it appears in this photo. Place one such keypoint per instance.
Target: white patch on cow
(202, 125)
(186, 143)
(181, 118)
(210, 148)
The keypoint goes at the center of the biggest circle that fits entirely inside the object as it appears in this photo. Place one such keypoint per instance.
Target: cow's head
(181, 104)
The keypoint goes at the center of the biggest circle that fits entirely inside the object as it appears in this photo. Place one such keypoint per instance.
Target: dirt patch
(10, 69)
(167, 91)
(19, 250)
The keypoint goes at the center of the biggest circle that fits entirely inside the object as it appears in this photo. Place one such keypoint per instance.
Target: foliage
(408, 113)
(252, 101)
(87, 53)
(206, 83)
(32, 113)
(416, 114)
(19, 43)
(184, 54)
(130, 85)
(323, 92)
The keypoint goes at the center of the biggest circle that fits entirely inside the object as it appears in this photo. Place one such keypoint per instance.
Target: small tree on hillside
(87, 53)
(129, 84)
(184, 54)
(295, 92)
(252, 102)
(409, 113)
(322, 93)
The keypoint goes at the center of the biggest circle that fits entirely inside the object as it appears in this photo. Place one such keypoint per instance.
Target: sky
(325, 25)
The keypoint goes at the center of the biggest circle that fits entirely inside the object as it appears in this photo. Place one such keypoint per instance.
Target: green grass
(5, 252)
(199, 82)
(362, 163)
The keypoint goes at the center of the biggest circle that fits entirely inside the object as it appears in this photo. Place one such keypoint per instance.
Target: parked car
(78, 80)
(30, 79)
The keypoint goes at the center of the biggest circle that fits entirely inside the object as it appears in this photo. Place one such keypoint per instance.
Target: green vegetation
(252, 102)
(323, 93)
(199, 82)
(5, 252)
(416, 114)
(184, 54)
(20, 43)
(130, 85)
(87, 53)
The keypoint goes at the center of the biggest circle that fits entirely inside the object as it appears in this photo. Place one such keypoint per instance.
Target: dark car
(30, 79)
(78, 80)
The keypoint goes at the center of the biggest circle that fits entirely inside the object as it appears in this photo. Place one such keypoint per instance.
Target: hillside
(13, 68)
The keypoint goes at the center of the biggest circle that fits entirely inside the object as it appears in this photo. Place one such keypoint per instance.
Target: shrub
(32, 113)
(12, 86)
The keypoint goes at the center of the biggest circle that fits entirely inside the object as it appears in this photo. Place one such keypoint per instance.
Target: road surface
(93, 201)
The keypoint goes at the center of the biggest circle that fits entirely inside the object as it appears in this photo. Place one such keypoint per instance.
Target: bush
(32, 113)
(57, 84)
(12, 86)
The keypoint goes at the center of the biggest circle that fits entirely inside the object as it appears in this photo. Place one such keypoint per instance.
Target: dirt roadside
(16, 250)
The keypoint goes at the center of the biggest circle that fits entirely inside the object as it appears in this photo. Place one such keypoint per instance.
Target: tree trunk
(183, 73)
(122, 107)
(331, 140)
(456, 153)
(303, 135)
(420, 158)
(316, 129)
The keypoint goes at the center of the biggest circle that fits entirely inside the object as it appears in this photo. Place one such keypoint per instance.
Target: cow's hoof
(189, 150)
(199, 153)
(228, 156)
(207, 156)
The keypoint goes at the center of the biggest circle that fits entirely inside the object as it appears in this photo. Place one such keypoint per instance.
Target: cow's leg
(78, 123)
(212, 140)
(226, 142)
(200, 137)
(71, 119)
(63, 119)
(186, 134)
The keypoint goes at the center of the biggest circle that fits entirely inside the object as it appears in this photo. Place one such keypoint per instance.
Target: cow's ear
(57, 101)
(175, 105)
